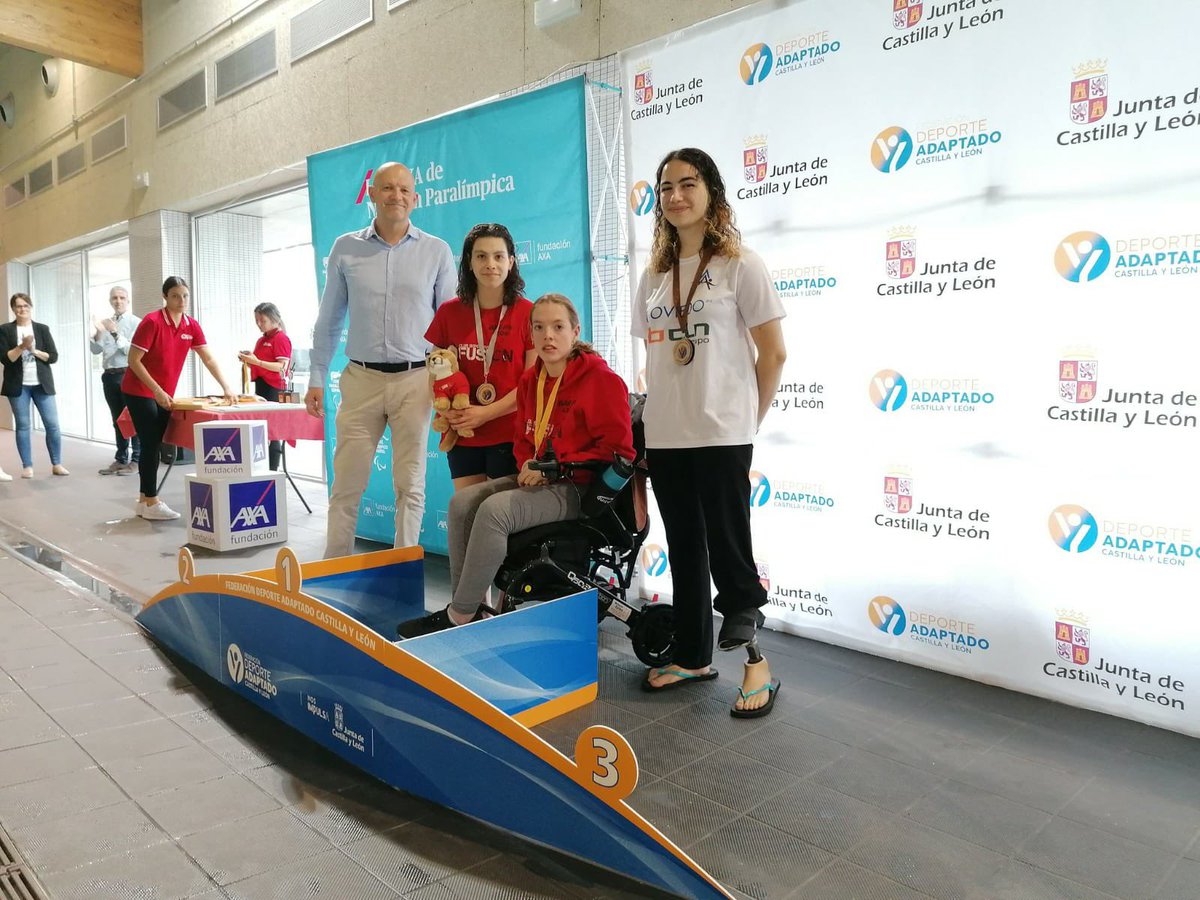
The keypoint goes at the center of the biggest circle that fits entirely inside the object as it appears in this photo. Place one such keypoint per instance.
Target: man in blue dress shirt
(110, 340)
(387, 280)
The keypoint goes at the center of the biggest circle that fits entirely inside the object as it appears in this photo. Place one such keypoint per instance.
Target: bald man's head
(394, 193)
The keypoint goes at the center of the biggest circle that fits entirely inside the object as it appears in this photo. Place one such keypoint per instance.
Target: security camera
(50, 76)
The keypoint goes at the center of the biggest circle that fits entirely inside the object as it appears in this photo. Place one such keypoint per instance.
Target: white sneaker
(4, 476)
(157, 512)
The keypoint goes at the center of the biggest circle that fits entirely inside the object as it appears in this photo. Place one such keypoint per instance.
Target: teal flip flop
(763, 710)
(684, 678)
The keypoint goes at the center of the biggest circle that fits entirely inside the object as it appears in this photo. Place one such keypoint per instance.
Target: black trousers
(150, 420)
(270, 392)
(703, 496)
(111, 381)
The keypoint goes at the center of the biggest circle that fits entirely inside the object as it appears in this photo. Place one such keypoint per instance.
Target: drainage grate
(16, 881)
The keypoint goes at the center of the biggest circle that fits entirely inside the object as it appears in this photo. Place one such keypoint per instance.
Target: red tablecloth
(285, 422)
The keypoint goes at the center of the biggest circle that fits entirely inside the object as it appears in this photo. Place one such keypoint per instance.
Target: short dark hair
(173, 282)
(468, 285)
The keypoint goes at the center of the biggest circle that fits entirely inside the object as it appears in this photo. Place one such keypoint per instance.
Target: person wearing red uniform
(157, 352)
(269, 363)
(570, 398)
(487, 324)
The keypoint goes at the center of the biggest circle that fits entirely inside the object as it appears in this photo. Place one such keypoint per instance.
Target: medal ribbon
(490, 349)
(541, 421)
(681, 312)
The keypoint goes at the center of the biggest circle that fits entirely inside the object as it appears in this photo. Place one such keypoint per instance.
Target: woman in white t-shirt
(27, 352)
(709, 314)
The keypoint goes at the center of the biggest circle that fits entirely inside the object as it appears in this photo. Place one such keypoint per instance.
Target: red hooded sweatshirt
(590, 418)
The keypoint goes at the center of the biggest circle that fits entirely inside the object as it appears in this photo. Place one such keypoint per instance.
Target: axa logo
(887, 615)
(222, 446)
(1082, 256)
(362, 191)
(888, 390)
(1089, 92)
(906, 13)
(235, 662)
(201, 497)
(654, 560)
(755, 64)
(251, 517)
(760, 489)
(255, 503)
(641, 198)
(892, 149)
(1073, 528)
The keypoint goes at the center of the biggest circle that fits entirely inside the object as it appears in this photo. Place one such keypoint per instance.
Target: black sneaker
(430, 624)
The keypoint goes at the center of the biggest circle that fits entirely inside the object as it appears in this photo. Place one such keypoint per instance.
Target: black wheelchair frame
(600, 552)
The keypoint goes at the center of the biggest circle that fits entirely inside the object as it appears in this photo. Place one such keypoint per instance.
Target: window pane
(249, 254)
(107, 267)
(57, 291)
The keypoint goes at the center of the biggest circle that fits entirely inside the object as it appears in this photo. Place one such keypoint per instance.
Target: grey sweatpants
(482, 517)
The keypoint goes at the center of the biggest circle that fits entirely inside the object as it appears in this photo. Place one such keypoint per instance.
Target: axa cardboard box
(231, 513)
(230, 448)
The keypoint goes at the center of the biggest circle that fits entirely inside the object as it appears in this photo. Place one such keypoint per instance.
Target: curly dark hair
(720, 233)
(468, 286)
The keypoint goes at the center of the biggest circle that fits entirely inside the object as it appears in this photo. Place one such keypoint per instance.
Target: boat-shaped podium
(447, 716)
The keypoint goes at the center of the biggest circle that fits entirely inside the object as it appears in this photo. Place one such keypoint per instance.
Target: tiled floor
(121, 777)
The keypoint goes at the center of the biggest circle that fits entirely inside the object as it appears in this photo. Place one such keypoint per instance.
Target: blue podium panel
(539, 660)
(403, 719)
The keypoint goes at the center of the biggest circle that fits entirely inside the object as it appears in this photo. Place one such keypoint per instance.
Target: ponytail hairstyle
(720, 233)
(270, 311)
(174, 281)
(579, 347)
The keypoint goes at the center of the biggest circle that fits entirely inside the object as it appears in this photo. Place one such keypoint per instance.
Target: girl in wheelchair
(570, 398)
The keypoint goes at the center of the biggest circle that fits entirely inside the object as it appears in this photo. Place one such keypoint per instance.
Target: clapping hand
(27, 342)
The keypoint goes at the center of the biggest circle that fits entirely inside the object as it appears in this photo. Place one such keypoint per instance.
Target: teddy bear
(450, 390)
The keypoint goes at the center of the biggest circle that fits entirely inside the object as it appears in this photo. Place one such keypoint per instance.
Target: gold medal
(683, 352)
(485, 393)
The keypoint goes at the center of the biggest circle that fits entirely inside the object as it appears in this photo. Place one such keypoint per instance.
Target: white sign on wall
(984, 221)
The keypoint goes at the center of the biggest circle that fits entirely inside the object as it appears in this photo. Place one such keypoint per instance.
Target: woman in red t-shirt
(488, 327)
(270, 362)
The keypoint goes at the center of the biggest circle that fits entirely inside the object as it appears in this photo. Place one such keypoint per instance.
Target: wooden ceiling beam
(106, 34)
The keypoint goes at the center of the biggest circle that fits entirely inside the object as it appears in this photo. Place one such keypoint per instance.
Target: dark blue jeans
(23, 421)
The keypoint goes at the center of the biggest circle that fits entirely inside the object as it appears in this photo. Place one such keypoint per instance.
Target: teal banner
(521, 162)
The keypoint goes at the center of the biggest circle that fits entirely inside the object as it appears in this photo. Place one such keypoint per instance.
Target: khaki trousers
(372, 400)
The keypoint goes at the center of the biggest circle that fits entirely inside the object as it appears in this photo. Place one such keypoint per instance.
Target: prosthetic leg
(741, 630)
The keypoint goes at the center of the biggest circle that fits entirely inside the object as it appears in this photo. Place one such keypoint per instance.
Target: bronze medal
(485, 393)
(683, 352)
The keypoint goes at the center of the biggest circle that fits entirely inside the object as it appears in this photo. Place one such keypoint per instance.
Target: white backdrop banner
(984, 219)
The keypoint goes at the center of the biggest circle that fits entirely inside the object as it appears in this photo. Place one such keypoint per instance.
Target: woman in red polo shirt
(488, 325)
(269, 363)
(157, 353)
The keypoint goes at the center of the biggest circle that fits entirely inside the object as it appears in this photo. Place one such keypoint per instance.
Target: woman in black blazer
(27, 351)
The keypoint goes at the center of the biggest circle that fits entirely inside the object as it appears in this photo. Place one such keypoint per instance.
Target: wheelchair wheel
(653, 635)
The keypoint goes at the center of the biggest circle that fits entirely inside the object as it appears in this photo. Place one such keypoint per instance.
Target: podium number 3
(606, 763)
(605, 773)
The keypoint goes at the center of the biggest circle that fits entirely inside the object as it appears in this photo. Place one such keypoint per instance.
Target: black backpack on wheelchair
(600, 551)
